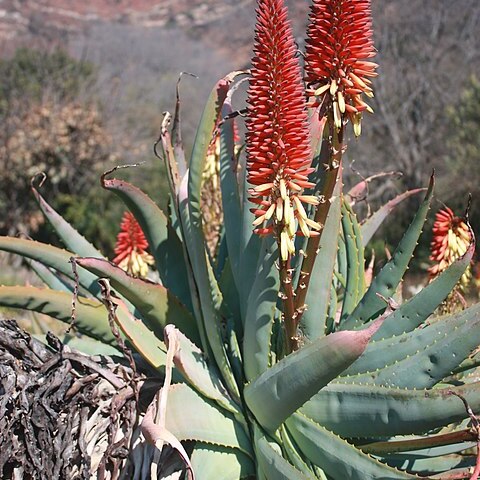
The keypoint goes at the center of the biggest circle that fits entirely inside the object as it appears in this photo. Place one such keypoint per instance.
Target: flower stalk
(278, 145)
(330, 174)
(338, 71)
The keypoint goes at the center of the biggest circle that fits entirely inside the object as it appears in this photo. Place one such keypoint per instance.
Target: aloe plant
(281, 362)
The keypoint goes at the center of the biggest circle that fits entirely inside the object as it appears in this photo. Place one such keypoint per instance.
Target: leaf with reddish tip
(162, 238)
(70, 237)
(282, 389)
(90, 315)
(156, 304)
(372, 223)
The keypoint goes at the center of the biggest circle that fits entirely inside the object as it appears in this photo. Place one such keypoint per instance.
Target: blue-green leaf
(156, 304)
(50, 256)
(261, 308)
(73, 240)
(372, 223)
(314, 319)
(335, 456)
(368, 411)
(90, 315)
(220, 463)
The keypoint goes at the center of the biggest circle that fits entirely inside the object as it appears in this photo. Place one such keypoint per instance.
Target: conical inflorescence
(131, 246)
(339, 47)
(278, 142)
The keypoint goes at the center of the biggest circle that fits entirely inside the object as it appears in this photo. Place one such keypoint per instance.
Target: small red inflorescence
(337, 67)
(131, 246)
(278, 141)
(451, 239)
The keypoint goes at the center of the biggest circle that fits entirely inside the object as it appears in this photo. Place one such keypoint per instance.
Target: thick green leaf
(261, 308)
(232, 212)
(90, 315)
(429, 466)
(234, 353)
(231, 302)
(162, 238)
(472, 362)
(341, 272)
(373, 223)
(442, 346)
(221, 463)
(189, 416)
(48, 277)
(192, 364)
(250, 250)
(355, 272)
(52, 257)
(389, 351)
(369, 411)
(73, 240)
(332, 311)
(335, 456)
(360, 250)
(271, 462)
(90, 346)
(186, 229)
(292, 452)
(152, 349)
(156, 304)
(209, 293)
(413, 312)
(386, 282)
(283, 388)
(319, 291)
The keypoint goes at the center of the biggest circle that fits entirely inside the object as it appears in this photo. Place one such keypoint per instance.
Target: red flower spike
(131, 247)
(278, 142)
(338, 48)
